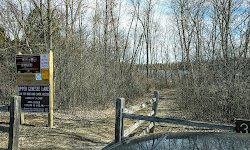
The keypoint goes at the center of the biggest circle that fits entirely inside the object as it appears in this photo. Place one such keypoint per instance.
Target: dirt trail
(168, 108)
(86, 129)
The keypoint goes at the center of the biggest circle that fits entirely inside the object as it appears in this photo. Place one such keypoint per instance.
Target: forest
(104, 49)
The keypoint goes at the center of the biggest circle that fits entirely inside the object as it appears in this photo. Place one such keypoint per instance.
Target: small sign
(45, 73)
(44, 61)
(38, 76)
(34, 98)
(28, 63)
(242, 126)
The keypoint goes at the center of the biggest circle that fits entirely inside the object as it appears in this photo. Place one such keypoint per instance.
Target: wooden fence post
(22, 118)
(120, 103)
(15, 111)
(155, 105)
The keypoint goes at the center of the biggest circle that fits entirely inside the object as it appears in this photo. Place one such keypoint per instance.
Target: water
(165, 73)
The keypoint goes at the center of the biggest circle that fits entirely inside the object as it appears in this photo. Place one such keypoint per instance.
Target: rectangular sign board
(34, 98)
(28, 63)
(45, 73)
(24, 79)
(44, 61)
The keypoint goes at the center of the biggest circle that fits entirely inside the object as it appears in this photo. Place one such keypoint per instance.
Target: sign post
(51, 82)
(35, 84)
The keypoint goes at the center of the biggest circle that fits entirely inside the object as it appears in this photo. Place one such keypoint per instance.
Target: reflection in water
(165, 73)
(187, 141)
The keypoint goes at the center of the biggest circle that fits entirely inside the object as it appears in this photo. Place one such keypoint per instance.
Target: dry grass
(71, 131)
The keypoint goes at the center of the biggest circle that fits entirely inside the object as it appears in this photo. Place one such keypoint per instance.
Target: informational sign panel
(28, 63)
(34, 98)
(44, 61)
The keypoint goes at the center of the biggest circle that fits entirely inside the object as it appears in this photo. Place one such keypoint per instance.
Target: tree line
(213, 39)
(95, 53)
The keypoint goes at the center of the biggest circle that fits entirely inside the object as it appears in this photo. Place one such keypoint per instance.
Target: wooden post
(22, 118)
(50, 115)
(15, 111)
(155, 105)
(120, 103)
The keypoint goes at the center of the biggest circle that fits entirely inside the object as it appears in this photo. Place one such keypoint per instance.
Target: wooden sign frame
(29, 79)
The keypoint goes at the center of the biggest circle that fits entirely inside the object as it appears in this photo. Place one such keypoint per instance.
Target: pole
(119, 119)
(155, 105)
(15, 111)
(51, 83)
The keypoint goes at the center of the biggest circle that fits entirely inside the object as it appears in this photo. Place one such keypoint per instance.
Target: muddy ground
(88, 129)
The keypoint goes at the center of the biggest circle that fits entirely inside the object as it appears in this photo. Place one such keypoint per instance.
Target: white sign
(44, 61)
(38, 76)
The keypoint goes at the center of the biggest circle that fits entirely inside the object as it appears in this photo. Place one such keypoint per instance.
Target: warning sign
(34, 98)
(44, 61)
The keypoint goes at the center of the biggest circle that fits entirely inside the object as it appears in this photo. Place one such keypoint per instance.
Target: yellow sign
(45, 73)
